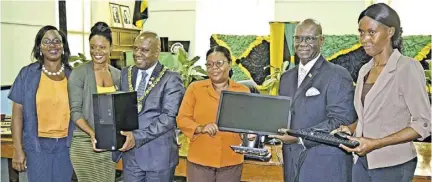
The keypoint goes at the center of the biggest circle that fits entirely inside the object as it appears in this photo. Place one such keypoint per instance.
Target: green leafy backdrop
(333, 44)
(238, 43)
(336, 43)
(414, 44)
(238, 74)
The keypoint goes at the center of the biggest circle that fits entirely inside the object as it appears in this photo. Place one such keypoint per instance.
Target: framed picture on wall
(116, 19)
(127, 18)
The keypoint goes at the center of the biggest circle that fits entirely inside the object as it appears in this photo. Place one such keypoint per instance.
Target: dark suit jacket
(325, 111)
(156, 146)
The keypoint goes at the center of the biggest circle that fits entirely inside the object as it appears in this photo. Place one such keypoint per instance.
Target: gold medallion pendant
(152, 83)
(139, 107)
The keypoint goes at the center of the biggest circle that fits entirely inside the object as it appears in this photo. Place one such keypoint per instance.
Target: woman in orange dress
(210, 157)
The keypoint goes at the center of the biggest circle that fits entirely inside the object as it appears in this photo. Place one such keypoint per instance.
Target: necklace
(376, 65)
(53, 73)
(152, 83)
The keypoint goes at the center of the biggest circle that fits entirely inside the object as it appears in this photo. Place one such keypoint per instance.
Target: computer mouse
(342, 135)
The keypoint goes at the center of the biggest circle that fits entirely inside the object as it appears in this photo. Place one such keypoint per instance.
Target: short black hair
(386, 15)
(36, 52)
(224, 51)
(102, 29)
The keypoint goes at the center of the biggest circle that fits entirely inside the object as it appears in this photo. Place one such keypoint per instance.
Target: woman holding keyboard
(391, 102)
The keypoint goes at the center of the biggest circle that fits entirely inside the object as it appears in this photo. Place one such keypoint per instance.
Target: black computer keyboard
(322, 137)
(250, 150)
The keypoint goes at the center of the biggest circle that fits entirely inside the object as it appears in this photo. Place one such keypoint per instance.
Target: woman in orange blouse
(210, 157)
(41, 126)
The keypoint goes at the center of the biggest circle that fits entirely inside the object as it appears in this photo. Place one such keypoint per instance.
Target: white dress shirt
(304, 70)
(139, 75)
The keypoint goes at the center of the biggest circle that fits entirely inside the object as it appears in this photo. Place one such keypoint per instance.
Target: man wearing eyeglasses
(322, 95)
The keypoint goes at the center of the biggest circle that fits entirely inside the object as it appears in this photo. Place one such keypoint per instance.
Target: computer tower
(114, 112)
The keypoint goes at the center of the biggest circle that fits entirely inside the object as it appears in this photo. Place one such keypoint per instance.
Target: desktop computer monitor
(253, 113)
(6, 103)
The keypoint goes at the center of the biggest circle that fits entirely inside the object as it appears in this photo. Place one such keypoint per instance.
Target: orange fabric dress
(199, 107)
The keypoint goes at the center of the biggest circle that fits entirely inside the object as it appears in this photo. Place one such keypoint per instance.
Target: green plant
(272, 81)
(185, 67)
(188, 72)
(428, 75)
(75, 61)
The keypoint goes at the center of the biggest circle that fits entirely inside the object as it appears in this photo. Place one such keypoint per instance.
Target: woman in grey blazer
(392, 105)
(96, 76)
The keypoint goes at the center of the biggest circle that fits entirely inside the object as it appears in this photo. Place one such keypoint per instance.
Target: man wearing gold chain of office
(150, 153)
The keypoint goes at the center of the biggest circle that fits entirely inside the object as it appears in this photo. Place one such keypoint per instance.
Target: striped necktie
(301, 76)
(142, 85)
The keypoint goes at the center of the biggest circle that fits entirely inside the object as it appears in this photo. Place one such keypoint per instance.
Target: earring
(40, 53)
(396, 42)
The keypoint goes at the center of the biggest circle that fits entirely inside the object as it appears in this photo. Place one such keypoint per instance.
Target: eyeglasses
(48, 42)
(218, 64)
(307, 39)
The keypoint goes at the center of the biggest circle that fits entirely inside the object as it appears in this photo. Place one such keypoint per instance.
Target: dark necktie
(142, 85)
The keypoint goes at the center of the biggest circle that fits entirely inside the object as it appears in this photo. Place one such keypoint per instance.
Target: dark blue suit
(326, 111)
(155, 155)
